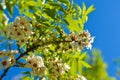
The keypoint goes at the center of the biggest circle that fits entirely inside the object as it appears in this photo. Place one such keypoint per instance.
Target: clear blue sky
(104, 23)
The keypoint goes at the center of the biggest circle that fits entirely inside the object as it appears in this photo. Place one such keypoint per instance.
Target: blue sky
(104, 23)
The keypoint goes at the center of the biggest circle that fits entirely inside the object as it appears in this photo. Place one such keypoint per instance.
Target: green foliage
(98, 70)
(26, 78)
(49, 39)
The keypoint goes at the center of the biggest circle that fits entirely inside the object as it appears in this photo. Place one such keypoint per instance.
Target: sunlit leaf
(85, 64)
(82, 56)
(90, 9)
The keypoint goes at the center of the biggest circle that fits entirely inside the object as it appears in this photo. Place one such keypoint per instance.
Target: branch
(5, 71)
(21, 55)
(34, 46)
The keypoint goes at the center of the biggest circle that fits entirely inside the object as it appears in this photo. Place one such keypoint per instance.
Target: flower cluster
(56, 68)
(75, 42)
(7, 58)
(36, 64)
(20, 30)
(81, 40)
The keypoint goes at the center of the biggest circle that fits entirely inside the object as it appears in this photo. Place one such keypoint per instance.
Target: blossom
(7, 58)
(57, 67)
(89, 45)
(36, 64)
(66, 67)
(80, 77)
(20, 30)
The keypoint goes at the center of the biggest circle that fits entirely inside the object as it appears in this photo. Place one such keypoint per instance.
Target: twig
(5, 71)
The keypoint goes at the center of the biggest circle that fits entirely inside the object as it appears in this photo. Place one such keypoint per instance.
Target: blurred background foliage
(98, 70)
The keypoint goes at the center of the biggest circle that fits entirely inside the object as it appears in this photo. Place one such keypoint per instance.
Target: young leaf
(26, 78)
(85, 64)
(72, 24)
(90, 9)
(79, 67)
(82, 56)
(73, 68)
(83, 8)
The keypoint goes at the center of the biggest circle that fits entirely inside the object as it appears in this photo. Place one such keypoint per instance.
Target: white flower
(89, 45)
(34, 61)
(57, 67)
(80, 77)
(36, 64)
(66, 67)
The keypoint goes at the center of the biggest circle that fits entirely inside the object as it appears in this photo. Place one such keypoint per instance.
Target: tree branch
(5, 71)
(34, 46)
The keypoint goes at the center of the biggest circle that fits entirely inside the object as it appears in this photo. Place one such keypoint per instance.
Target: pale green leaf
(26, 78)
(79, 67)
(73, 66)
(85, 64)
(72, 23)
(82, 56)
(90, 9)
(33, 3)
(83, 8)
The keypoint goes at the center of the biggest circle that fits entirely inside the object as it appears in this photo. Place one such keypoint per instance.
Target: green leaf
(25, 72)
(26, 78)
(33, 3)
(85, 64)
(83, 8)
(73, 25)
(10, 5)
(50, 12)
(79, 67)
(1, 17)
(77, 54)
(73, 66)
(82, 56)
(90, 9)
(64, 1)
